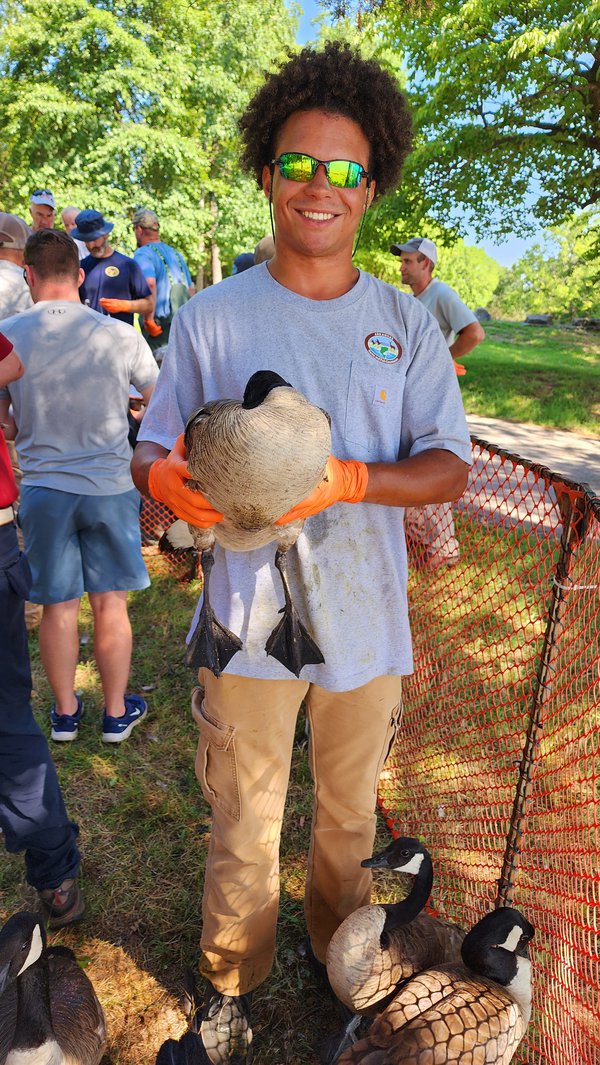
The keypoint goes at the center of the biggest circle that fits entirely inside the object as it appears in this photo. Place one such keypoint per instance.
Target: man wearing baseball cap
(42, 209)
(14, 293)
(462, 332)
(432, 525)
(113, 283)
(167, 274)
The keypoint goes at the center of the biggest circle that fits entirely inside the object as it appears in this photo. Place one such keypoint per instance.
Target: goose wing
(442, 1016)
(77, 1016)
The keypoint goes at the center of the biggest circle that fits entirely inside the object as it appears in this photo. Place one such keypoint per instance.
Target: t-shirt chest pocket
(373, 418)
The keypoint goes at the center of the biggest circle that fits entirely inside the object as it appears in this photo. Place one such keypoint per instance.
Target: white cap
(43, 196)
(421, 244)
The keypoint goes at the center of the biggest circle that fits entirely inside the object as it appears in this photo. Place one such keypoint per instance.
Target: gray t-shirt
(71, 403)
(14, 293)
(446, 307)
(377, 363)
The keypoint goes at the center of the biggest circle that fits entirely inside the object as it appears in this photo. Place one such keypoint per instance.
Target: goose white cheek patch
(512, 940)
(413, 865)
(35, 950)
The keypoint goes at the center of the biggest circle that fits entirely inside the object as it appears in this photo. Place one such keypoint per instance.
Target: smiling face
(314, 219)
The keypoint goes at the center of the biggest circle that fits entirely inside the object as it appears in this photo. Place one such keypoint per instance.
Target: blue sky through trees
(506, 253)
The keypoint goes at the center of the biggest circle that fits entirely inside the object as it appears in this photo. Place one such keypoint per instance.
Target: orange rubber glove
(167, 483)
(459, 369)
(345, 481)
(152, 328)
(115, 306)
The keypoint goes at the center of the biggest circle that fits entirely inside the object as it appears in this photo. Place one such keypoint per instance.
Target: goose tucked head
(498, 947)
(22, 943)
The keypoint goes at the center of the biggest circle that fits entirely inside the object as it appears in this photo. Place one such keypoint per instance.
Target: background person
(14, 293)
(79, 510)
(462, 332)
(433, 525)
(68, 215)
(167, 274)
(42, 209)
(113, 283)
(378, 364)
(264, 250)
(32, 811)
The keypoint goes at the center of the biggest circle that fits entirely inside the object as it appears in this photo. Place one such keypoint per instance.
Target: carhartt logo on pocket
(383, 347)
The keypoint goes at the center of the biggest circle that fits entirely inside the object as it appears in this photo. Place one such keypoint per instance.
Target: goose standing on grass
(471, 1013)
(49, 1013)
(254, 460)
(379, 946)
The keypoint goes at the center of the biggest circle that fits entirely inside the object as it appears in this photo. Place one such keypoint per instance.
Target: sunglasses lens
(297, 167)
(343, 174)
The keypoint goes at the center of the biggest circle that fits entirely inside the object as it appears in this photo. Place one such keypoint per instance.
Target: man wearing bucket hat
(113, 283)
(462, 332)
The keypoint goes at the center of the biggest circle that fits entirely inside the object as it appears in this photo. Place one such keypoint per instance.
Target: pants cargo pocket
(216, 766)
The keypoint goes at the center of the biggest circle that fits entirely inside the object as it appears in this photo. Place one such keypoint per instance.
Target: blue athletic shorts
(77, 543)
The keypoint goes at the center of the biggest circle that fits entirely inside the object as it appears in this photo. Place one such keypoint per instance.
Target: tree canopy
(506, 98)
(115, 104)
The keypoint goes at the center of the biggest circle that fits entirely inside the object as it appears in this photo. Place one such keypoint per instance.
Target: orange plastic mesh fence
(498, 765)
(155, 519)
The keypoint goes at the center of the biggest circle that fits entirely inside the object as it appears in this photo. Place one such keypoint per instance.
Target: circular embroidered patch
(383, 347)
(112, 271)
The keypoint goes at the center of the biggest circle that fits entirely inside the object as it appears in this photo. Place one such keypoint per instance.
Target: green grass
(545, 375)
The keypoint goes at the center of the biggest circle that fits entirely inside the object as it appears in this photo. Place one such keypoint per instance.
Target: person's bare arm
(434, 476)
(152, 286)
(467, 339)
(144, 455)
(9, 427)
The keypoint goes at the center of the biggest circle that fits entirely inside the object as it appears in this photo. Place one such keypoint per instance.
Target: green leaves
(129, 102)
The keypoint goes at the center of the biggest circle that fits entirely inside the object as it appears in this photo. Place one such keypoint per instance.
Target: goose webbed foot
(290, 642)
(330, 1049)
(212, 644)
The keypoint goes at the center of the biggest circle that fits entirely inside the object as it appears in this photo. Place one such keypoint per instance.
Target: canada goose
(469, 1013)
(379, 946)
(49, 1013)
(253, 461)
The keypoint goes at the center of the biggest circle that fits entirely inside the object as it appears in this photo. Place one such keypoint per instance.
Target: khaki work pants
(243, 764)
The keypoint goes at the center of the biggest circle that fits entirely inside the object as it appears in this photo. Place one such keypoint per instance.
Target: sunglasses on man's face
(341, 173)
(41, 192)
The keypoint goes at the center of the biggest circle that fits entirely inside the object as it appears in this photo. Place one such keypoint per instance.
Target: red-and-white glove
(345, 481)
(115, 306)
(167, 482)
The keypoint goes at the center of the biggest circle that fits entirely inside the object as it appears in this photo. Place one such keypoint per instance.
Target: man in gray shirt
(462, 332)
(79, 510)
(377, 363)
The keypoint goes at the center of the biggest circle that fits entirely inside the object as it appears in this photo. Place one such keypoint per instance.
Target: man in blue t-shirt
(114, 283)
(166, 272)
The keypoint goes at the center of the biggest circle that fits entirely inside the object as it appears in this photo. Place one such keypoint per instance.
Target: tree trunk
(200, 275)
(215, 254)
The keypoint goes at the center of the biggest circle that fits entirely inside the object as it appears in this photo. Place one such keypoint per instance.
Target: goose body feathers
(461, 1014)
(49, 1012)
(379, 947)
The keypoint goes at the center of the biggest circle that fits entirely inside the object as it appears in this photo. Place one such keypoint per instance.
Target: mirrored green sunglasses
(341, 173)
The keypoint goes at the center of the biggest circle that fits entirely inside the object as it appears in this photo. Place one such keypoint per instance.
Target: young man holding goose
(322, 137)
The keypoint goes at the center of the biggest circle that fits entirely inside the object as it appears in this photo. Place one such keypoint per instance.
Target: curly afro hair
(337, 80)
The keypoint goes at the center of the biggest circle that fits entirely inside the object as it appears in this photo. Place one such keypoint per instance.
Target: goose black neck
(34, 1023)
(401, 913)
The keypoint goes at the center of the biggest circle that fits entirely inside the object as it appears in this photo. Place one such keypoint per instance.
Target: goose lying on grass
(49, 1013)
(379, 946)
(254, 460)
(471, 1013)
